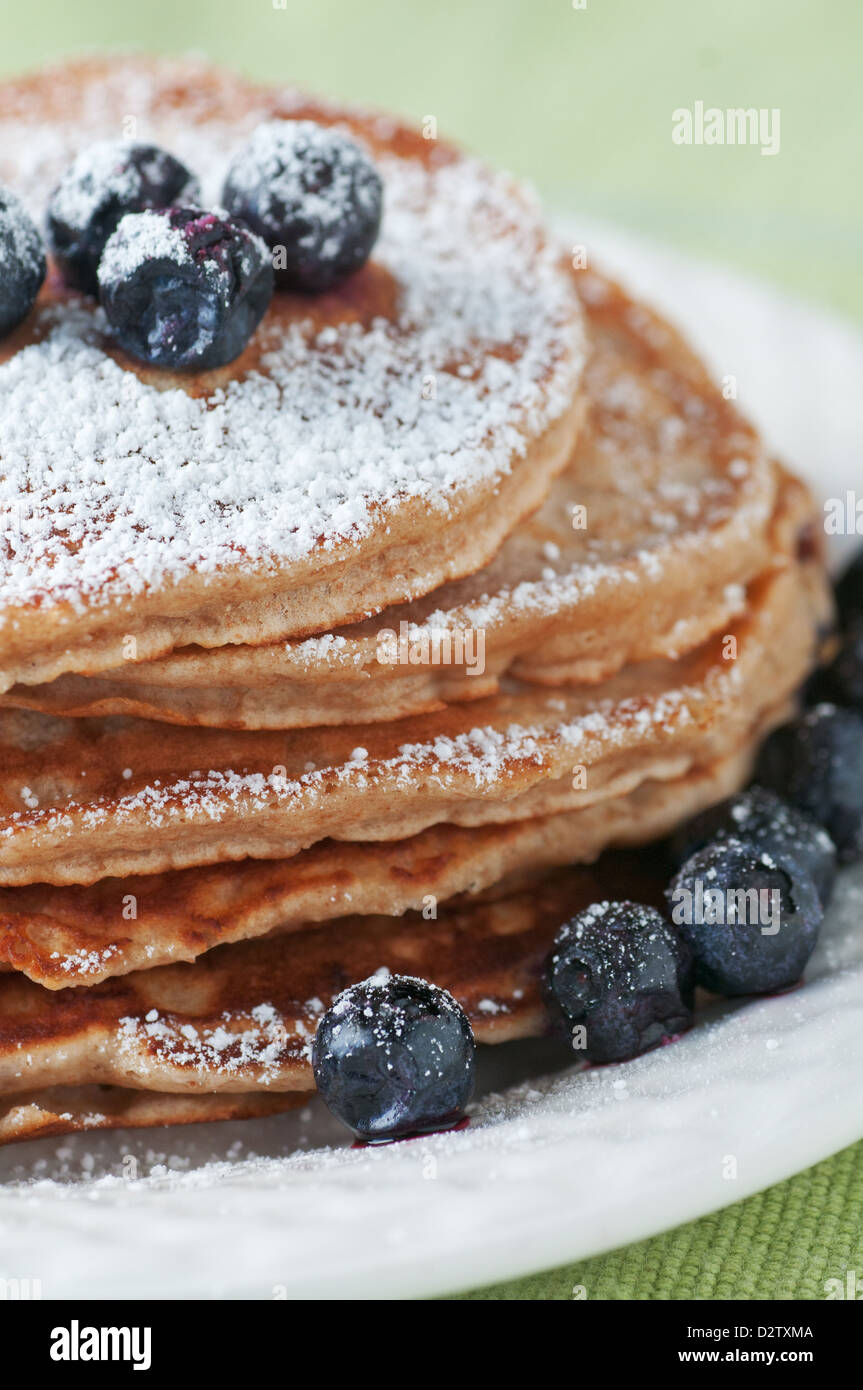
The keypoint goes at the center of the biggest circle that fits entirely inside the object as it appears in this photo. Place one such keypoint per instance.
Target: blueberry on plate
(817, 764)
(394, 1056)
(315, 197)
(621, 978)
(184, 289)
(761, 816)
(106, 181)
(750, 916)
(22, 262)
(849, 591)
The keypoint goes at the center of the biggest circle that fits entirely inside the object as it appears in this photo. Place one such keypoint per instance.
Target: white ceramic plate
(551, 1169)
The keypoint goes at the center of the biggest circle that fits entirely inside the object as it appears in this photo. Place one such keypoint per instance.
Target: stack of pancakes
(360, 652)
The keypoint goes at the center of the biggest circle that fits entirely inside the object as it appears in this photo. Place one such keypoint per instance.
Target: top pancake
(343, 462)
(642, 550)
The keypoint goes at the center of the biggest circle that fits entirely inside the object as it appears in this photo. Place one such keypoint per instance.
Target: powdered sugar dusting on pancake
(119, 486)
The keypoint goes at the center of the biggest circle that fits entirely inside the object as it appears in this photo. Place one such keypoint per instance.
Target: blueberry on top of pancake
(315, 197)
(22, 262)
(107, 180)
(183, 288)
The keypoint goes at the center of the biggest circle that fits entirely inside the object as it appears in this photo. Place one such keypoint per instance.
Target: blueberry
(761, 816)
(22, 262)
(752, 944)
(817, 764)
(313, 195)
(394, 1056)
(184, 289)
(849, 591)
(620, 972)
(106, 181)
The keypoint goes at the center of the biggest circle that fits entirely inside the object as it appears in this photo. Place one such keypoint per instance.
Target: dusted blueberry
(750, 916)
(313, 195)
(22, 262)
(394, 1056)
(767, 820)
(620, 972)
(106, 181)
(817, 764)
(849, 591)
(184, 289)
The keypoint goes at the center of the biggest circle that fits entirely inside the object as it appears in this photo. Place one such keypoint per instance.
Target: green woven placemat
(784, 1243)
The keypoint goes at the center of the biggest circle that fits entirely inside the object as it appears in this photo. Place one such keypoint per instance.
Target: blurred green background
(577, 99)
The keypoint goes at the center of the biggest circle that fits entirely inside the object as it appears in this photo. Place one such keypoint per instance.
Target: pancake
(678, 501)
(94, 798)
(370, 443)
(69, 936)
(66, 1109)
(224, 795)
(241, 1019)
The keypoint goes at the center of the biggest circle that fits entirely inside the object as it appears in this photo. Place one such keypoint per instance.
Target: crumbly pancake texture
(87, 799)
(241, 1019)
(643, 548)
(370, 443)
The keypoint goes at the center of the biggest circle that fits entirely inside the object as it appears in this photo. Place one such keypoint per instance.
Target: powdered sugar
(238, 1043)
(84, 963)
(141, 237)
